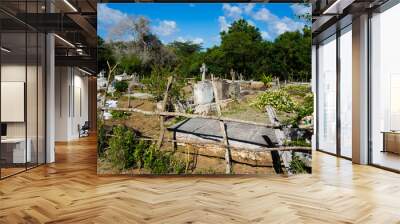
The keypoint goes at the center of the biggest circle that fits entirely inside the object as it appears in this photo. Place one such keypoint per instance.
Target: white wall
(71, 102)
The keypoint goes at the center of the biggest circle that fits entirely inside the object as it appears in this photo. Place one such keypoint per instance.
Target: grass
(243, 110)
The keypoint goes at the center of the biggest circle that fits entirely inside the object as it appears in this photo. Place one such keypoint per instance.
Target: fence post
(162, 118)
(223, 131)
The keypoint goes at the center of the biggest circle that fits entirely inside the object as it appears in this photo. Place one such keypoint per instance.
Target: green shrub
(101, 139)
(121, 86)
(307, 106)
(157, 82)
(266, 79)
(159, 162)
(126, 151)
(297, 165)
(297, 90)
(298, 142)
(119, 115)
(278, 99)
(121, 148)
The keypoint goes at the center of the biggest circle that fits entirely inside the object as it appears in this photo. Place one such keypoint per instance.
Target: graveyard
(252, 133)
(230, 109)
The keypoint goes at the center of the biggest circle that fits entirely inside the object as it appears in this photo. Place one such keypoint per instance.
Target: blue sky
(201, 22)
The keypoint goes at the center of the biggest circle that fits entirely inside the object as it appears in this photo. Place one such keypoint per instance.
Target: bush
(122, 148)
(159, 162)
(297, 90)
(297, 165)
(101, 139)
(307, 107)
(119, 115)
(126, 151)
(278, 99)
(157, 82)
(266, 79)
(298, 142)
(121, 86)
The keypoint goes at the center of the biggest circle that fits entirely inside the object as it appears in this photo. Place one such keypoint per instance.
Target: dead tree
(109, 79)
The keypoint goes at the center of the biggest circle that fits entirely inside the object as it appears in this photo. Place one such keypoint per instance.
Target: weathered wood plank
(178, 114)
(223, 131)
(162, 118)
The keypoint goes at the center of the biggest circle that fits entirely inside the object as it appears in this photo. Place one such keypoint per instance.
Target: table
(391, 141)
(13, 150)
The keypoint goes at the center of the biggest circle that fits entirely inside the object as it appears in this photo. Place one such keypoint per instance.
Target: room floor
(70, 191)
(387, 159)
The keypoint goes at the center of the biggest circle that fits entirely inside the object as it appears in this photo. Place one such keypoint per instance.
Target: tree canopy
(241, 49)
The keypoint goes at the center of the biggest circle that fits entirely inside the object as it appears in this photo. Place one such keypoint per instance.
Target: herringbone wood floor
(69, 191)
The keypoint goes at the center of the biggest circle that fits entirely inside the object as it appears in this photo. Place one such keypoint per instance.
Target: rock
(205, 109)
(257, 85)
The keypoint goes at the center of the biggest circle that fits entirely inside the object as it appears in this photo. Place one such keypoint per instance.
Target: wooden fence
(222, 122)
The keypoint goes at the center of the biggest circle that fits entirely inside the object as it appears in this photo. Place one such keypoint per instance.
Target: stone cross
(203, 70)
(232, 74)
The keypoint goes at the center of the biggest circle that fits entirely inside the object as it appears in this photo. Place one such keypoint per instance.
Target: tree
(105, 54)
(241, 47)
(184, 49)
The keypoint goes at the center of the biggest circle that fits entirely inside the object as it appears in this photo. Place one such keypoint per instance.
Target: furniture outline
(13, 150)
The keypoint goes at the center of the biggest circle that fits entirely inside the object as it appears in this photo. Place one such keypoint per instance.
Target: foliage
(297, 90)
(121, 86)
(105, 54)
(297, 142)
(159, 162)
(157, 82)
(307, 106)
(242, 49)
(266, 79)
(120, 115)
(278, 99)
(101, 138)
(121, 148)
(130, 63)
(297, 165)
(127, 151)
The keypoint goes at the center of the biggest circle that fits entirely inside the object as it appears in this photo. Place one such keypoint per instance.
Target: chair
(84, 130)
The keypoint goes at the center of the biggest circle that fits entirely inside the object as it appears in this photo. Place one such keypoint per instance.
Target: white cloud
(108, 17)
(181, 39)
(196, 40)
(251, 22)
(248, 8)
(232, 11)
(264, 15)
(166, 28)
(277, 25)
(265, 35)
(287, 24)
(300, 9)
(223, 24)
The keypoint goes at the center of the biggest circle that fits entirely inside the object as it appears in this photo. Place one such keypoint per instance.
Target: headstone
(222, 89)
(232, 74)
(234, 90)
(203, 70)
(203, 92)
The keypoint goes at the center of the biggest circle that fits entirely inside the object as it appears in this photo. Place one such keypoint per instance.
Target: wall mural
(204, 89)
